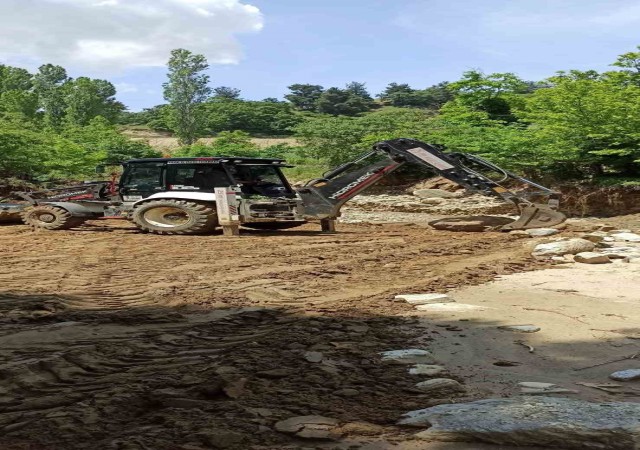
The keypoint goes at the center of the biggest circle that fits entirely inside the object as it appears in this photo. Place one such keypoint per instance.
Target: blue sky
(333, 42)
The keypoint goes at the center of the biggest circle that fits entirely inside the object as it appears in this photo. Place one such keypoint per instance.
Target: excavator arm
(323, 197)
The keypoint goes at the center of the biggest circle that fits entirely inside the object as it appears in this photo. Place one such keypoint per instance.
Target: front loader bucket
(535, 216)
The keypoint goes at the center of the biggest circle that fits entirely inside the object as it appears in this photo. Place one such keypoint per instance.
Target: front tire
(175, 217)
(50, 218)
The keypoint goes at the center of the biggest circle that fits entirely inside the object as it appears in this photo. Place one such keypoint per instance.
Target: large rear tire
(175, 217)
(273, 225)
(50, 218)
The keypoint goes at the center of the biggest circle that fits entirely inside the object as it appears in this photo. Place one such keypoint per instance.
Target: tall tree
(226, 93)
(87, 98)
(359, 90)
(186, 89)
(336, 102)
(48, 84)
(394, 88)
(304, 96)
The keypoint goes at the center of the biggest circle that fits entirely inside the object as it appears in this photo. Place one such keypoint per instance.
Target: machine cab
(256, 177)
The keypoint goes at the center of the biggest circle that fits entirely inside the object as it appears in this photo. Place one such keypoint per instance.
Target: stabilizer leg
(328, 225)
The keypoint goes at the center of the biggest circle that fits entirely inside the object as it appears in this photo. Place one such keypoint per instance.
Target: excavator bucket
(535, 216)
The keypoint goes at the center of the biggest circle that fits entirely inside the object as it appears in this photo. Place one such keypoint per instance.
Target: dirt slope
(133, 341)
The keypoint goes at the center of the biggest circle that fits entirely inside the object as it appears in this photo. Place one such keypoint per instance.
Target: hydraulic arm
(323, 197)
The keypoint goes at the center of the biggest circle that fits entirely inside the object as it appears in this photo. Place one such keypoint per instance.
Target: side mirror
(100, 169)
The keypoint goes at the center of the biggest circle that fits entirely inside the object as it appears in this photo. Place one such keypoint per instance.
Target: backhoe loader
(198, 195)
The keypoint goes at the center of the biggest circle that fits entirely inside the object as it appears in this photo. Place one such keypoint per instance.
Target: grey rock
(520, 328)
(347, 392)
(424, 299)
(220, 438)
(626, 237)
(536, 385)
(314, 357)
(309, 427)
(595, 237)
(407, 356)
(439, 385)
(471, 223)
(564, 247)
(533, 421)
(592, 258)
(626, 375)
(537, 232)
(621, 252)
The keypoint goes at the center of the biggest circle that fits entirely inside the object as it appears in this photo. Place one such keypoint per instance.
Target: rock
(426, 369)
(621, 252)
(564, 247)
(424, 299)
(535, 385)
(561, 259)
(309, 427)
(408, 356)
(521, 233)
(434, 193)
(313, 357)
(537, 232)
(532, 421)
(626, 375)
(520, 328)
(218, 438)
(347, 392)
(592, 258)
(606, 228)
(235, 388)
(361, 429)
(449, 307)
(626, 237)
(594, 237)
(471, 223)
(440, 384)
(620, 230)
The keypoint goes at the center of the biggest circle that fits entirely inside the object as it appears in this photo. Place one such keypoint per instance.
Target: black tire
(272, 225)
(175, 217)
(50, 218)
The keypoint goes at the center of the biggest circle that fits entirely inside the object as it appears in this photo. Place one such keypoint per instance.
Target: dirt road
(135, 341)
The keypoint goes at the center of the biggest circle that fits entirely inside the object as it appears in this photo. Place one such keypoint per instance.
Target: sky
(263, 46)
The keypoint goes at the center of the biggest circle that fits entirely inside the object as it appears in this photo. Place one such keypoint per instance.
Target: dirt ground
(114, 339)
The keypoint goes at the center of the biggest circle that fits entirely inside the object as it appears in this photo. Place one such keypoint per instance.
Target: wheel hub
(46, 217)
(167, 217)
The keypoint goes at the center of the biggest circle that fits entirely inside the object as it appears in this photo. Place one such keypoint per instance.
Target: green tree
(359, 90)
(336, 102)
(304, 96)
(16, 93)
(186, 89)
(226, 92)
(87, 98)
(266, 118)
(49, 86)
(494, 93)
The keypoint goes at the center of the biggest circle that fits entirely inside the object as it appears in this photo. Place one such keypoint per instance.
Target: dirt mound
(600, 201)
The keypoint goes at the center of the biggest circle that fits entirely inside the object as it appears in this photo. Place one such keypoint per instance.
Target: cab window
(196, 177)
(143, 176)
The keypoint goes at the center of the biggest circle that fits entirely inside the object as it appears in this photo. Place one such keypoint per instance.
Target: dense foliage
(580, 125)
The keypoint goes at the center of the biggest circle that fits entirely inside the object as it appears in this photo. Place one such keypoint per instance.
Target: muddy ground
(114, 339)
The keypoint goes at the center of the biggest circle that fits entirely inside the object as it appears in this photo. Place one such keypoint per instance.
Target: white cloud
(119, 34)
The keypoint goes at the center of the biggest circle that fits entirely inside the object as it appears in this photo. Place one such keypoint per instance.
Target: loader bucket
(535, 216)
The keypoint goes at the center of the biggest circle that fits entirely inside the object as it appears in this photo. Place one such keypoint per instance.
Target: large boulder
(471, 223)
(533, 421)
(563, 247)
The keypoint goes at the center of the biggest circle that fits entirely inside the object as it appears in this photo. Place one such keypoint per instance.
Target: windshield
(143, 176)
(260, 180)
